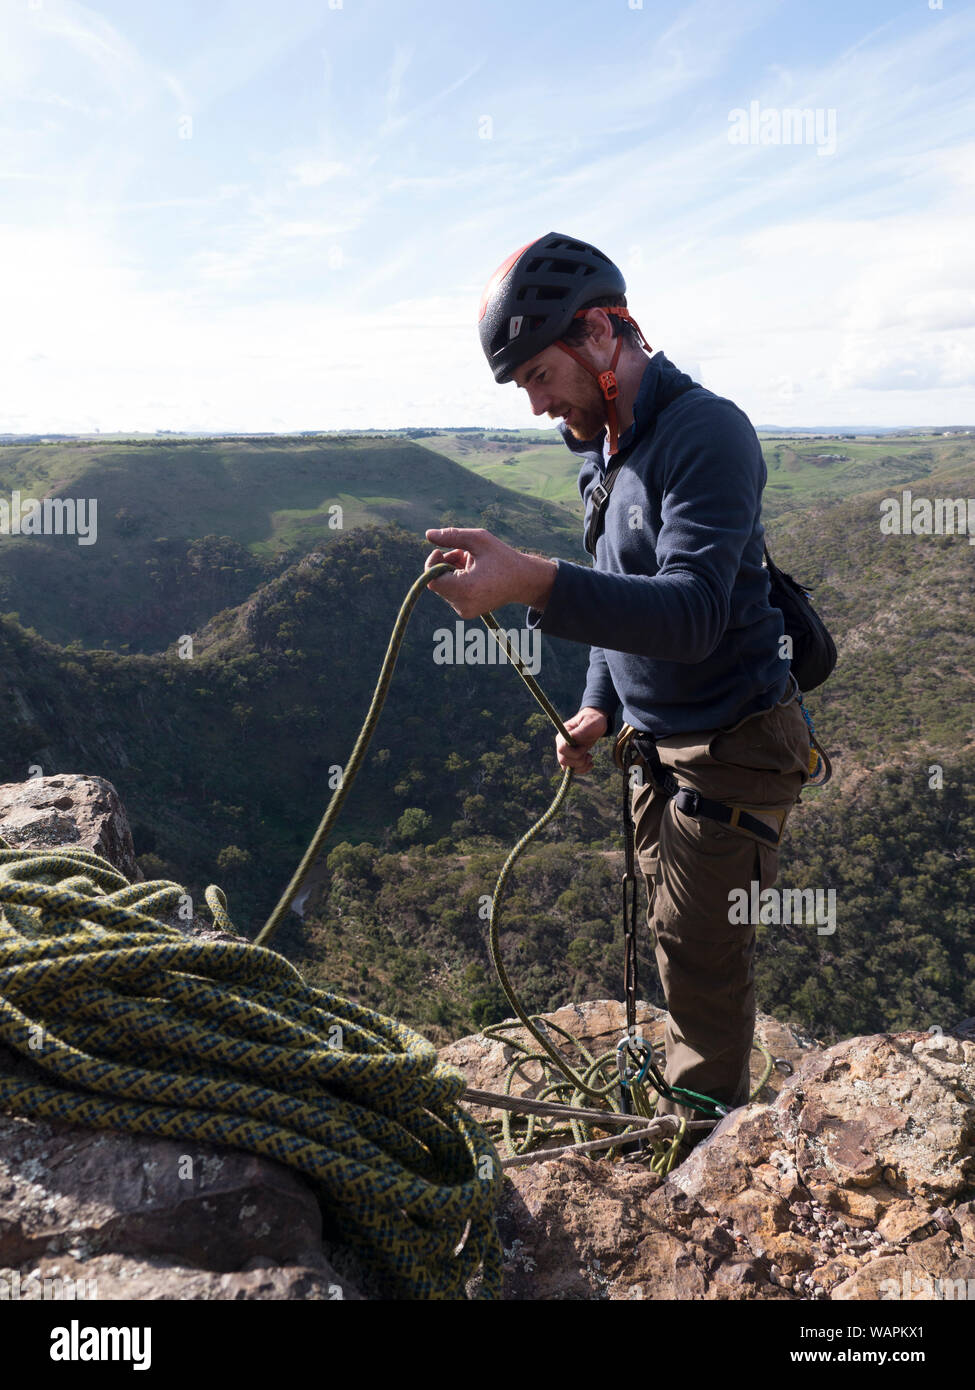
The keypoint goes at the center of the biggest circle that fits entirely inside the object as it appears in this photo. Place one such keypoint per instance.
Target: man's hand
(586, 728)
(489, 573)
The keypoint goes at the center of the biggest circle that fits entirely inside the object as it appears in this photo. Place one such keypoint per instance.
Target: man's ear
(600, 326)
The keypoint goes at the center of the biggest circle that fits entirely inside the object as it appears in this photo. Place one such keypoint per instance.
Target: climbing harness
(632, 745)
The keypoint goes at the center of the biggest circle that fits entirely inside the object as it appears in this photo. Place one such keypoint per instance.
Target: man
(676, 612)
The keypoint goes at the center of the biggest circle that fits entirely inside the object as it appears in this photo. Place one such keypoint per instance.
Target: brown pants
(691, 864)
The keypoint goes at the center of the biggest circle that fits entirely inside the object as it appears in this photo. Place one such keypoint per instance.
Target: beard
(586, 424)
(586, 402)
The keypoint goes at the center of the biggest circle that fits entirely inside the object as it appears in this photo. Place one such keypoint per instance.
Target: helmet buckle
(609, 385)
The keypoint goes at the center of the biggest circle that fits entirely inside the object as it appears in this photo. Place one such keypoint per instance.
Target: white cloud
(312, 173)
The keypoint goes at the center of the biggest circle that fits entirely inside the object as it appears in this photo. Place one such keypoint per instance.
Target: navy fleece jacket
(675, 606)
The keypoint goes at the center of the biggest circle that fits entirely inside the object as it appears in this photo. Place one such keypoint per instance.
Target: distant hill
(185, 528)
(234, 747)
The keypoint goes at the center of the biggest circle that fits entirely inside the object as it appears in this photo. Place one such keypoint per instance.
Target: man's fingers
(456, 558)
(581, 762)
(454, 536)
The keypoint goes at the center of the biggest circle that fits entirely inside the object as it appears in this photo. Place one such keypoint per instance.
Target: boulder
(71, 811)
(133, 1216)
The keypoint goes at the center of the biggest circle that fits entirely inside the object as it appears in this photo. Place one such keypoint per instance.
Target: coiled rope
(144, 1029)
(522, 1137)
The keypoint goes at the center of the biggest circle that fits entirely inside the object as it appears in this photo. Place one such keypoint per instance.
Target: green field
(535, 462)
(801, 471)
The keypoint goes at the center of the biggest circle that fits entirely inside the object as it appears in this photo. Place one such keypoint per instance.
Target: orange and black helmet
(534, 295)
(532, 298)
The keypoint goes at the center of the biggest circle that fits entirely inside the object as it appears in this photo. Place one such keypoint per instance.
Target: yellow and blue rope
(133, 1025)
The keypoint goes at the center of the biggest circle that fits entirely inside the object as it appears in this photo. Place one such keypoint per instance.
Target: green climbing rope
(574, 1085)
(601, 1076)
(358, 753)
(130, 1024)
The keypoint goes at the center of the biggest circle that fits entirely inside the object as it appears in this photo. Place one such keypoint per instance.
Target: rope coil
(134, 1026)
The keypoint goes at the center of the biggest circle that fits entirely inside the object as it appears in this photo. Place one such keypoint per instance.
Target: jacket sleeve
(711, 494)
(600, 693)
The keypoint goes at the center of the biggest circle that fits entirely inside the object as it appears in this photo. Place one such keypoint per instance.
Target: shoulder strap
(599, 496)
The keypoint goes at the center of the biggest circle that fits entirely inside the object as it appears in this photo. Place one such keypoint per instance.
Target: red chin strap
(607, 380)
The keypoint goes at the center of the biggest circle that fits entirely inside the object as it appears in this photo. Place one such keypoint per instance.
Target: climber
(683, 639)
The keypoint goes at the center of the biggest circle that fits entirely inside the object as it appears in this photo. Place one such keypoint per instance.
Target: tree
(412, 825)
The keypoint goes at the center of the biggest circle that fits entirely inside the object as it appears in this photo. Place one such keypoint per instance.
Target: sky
(237, 215)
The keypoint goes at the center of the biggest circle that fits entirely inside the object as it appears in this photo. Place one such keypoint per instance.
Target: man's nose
(540, 400)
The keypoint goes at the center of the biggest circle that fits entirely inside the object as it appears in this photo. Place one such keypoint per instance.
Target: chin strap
(607, 380)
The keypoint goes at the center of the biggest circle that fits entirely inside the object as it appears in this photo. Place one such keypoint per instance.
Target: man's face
(559, 387)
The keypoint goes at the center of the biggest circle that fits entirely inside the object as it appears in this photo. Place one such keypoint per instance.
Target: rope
(581, 1123)
(591, 1081)
(358, 753)
(134, 1026)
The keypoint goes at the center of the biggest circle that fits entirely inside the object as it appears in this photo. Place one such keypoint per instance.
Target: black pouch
(813, 649)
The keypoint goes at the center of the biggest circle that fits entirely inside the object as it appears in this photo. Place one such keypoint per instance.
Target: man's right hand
(586, 728)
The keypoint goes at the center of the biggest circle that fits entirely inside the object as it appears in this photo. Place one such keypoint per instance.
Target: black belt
(692, 803)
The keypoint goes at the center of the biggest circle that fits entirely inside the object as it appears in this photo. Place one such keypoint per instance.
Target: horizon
(817, 431)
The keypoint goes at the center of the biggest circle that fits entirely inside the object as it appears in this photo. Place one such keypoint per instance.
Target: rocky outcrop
(70, 811)
(850, 1176)
(855, 1182)
(113, 1215)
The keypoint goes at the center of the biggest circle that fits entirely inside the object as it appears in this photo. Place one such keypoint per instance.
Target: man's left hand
(489, 573)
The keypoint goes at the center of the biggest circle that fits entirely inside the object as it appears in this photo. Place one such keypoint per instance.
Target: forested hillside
(225, 749)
